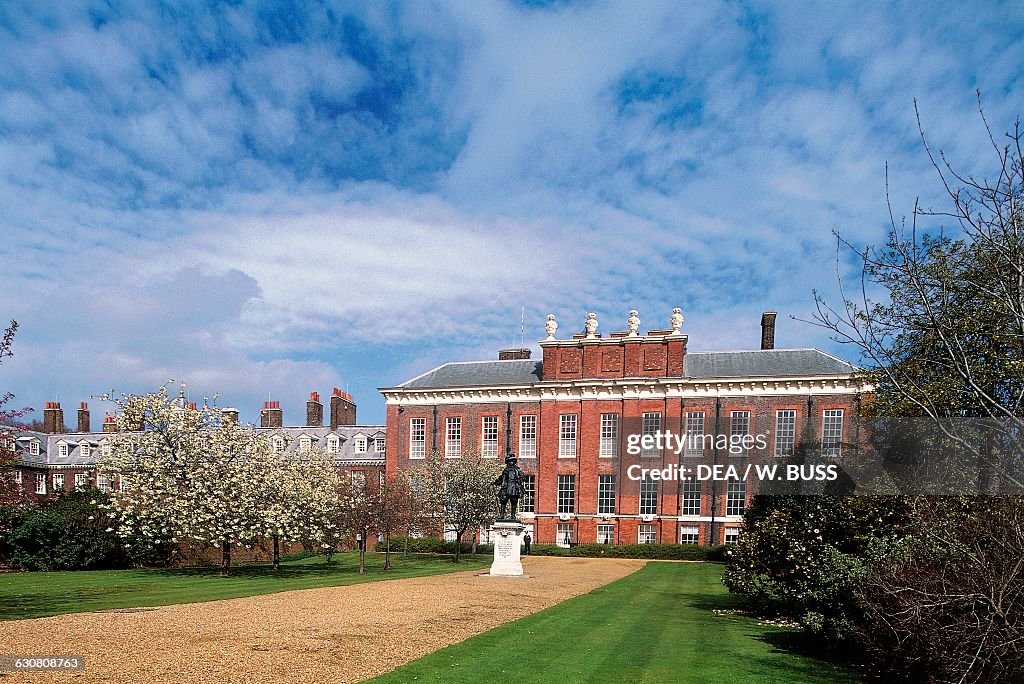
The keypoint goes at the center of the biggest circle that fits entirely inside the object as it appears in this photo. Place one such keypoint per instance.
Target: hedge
(694, 552)
(431, 545)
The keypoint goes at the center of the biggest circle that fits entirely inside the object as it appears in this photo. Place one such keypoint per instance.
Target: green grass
(656, 625)
(39, 594)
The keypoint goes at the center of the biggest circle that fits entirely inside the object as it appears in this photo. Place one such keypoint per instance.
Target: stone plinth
(508, 538)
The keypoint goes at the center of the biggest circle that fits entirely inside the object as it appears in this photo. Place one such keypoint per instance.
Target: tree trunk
(408, 531)
(458, 545)
(225, 558)
(362, 555)
(277, 551)
(387, 551)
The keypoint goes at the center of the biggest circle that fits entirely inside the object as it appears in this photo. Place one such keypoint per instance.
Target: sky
(267, 199)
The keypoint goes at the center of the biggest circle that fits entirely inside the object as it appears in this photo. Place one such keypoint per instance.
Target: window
(18, 478)
(58, 481)
(103, 483)
(736, 497)
(651, 426)
(305, 443)
(648, 496)
(691, 497)
(648, 534)
(40, 483)
(609, 435)
(358, 479)
(732, 535)
(489, 437)
(785, 432)
(739, 430)
(85, 450)
(333, 444)
(564, 535)
(105, 448)
(831, 432)
(605, 493)
(80, 480)
(526, 503)
(33, 447)
(278, 443)
(417, 438)
(122, 483)
(527, 436)
(62, 449)
(359, 444)
(453, 437)
(566, 493)
(606, 534)
(689, 535)
(567, 436)
(694, 434)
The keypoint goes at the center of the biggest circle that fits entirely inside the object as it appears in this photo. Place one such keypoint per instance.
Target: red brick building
(576, 419)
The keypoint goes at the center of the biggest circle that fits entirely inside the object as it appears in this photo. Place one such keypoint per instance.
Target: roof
(764, 363)
(478, 373)
(698, 365)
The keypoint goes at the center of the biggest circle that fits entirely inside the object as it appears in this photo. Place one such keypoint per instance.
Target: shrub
(431, 545)
(693, 552)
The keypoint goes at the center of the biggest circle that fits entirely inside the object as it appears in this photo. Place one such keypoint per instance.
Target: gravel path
(337, 634)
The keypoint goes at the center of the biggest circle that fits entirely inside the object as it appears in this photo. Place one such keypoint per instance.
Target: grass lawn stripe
(42, 594)
(656, 625)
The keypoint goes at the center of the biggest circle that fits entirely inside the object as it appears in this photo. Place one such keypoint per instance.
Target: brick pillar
(314, 411)
(271, 415)
(84, 424)
(768, 330)
(343, 409)
(53, 418)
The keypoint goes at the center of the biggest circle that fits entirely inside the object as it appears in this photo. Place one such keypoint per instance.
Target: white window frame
(606, 494)
(832, 432)
(121, 483)
(689, 535)
(528, 503)
(694, 447)
(105, 448)
(18, 478)
(360, 445)
(732, 535)
(489, 436)
(736, 496)
(57, 482)
(84, 449)
(63, 448)
(277, 443)
(305, 443)
(647, 534)
(605, 533)
(417, 438)
(651, 425)
(609, 435)
(567, 431)
(648, 496)
(692, 493)
(33, 447)
(380, 444)
(785, 432)
(453, 437)
(102, 482)
(40, 483)
(81, 480)
(528, 436)
(565, 534)
(739, 425)
(333, 444)
(566, 502)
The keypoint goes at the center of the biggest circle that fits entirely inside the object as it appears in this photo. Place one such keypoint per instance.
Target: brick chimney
(343, 409)
(109, 425)
(314, 411)
(84, 424)
(271, 416)
(53, 418)
(768, 330)
(513, 354)
(229, 415)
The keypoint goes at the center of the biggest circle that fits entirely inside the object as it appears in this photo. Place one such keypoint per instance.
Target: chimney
(109, 425)
(270, 416)
(53, 418)
(768, 330)
(229, 415)
(191, 406)
(83, 418)
(513, 354)
(314, 411)
(343, 409)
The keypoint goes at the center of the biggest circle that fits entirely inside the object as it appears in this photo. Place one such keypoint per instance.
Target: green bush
(431, 545)
(693, 552)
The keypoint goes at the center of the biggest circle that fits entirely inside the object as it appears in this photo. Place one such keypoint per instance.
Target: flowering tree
(359, 514)
(13, 498)
(460, 492)
(189, 474)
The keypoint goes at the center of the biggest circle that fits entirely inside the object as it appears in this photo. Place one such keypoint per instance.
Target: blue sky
(268, 199)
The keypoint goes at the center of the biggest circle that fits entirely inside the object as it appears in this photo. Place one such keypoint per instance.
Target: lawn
(657, 625)
(39, 594)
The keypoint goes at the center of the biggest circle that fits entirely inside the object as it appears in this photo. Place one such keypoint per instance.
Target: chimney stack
(314, 411)
(109, 425)
(53, 418)
(229, 415)
(513, 354)
(343, 409)
(768, 330)
(270, 416)
(83, 418)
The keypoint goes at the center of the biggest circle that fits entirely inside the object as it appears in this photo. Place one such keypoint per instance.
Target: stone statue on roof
(633, 322)
(676, 321)
(551, 326)
(591, 324)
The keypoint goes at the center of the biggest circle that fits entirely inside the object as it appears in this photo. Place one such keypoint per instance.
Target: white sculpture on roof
(551, 326)
(676, 320)
(591, 324)
(633, 322)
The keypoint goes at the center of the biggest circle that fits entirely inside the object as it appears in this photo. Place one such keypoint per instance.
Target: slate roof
(697, 365)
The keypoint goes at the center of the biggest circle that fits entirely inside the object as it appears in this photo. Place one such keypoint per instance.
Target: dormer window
(379, 445)
(33, 447)
(84, 449)
(305, 443)
(62, 449)
(278, 442)
(105, 448)
(333, 445)
(360, 445)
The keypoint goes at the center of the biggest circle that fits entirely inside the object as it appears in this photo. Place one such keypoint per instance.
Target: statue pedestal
(508, 538)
